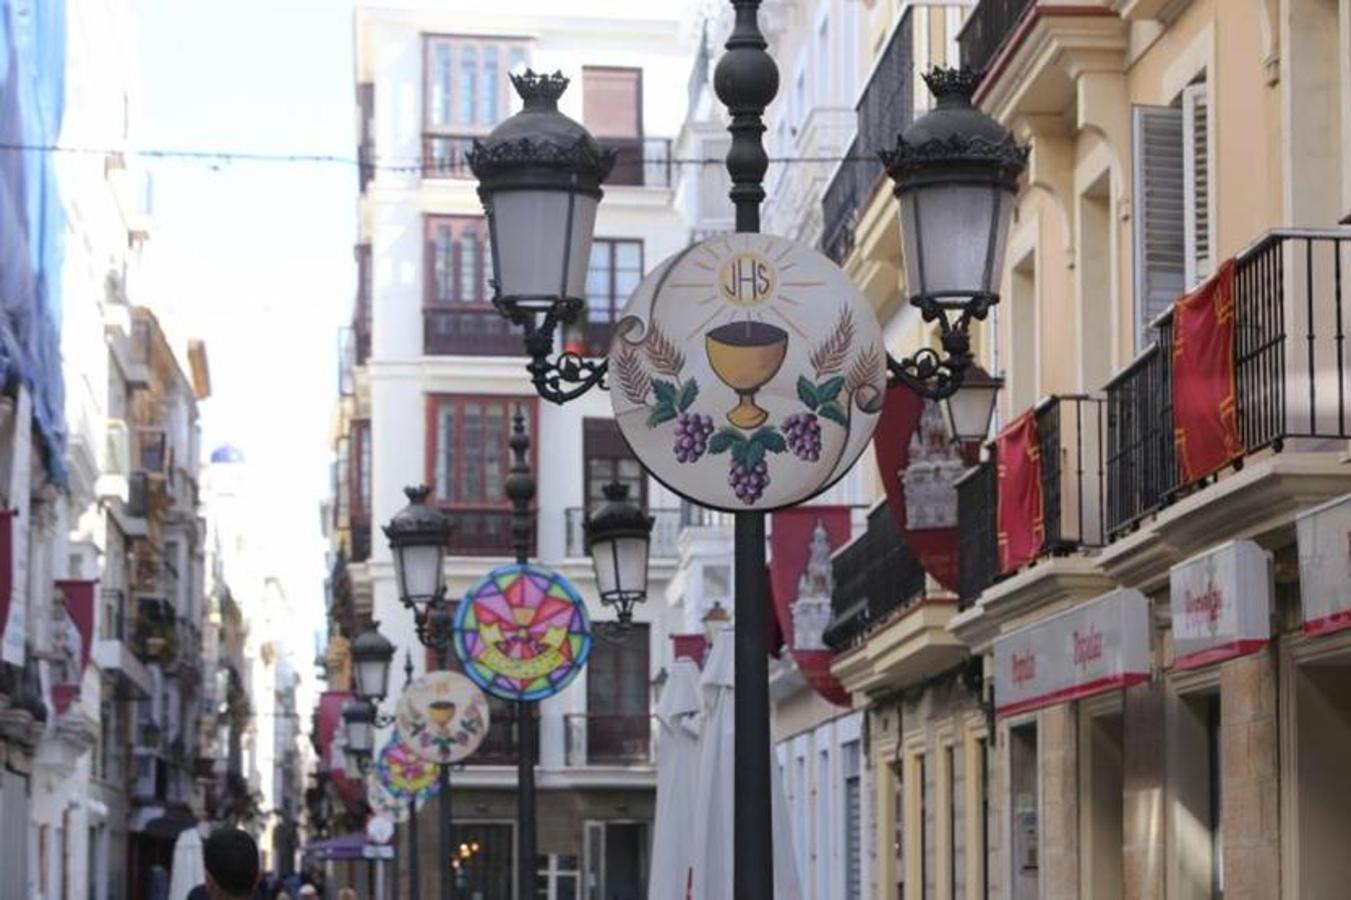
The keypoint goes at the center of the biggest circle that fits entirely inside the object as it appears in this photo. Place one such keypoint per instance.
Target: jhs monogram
(1087, 647)
(747, 280)
(1024, 667)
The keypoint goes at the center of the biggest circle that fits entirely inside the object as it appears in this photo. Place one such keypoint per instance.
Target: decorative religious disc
(522, 632)
(403, 773)
(442, 717)
(747, 372)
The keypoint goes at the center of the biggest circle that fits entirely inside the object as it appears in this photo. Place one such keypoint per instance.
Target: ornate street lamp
(971, 409)
(539, 176)
(358, 722)
(417, 540)
(617, 539)
(956, 172)
(371, 655)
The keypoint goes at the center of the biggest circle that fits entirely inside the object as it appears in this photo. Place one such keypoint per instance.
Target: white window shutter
(1196, 182)
(1157, 223)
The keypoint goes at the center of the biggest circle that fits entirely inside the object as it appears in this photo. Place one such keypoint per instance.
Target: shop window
(487, 858)
(1025, 813)
(1322, 741)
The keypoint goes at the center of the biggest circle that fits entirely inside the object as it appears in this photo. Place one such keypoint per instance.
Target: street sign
(377, 851)
(442, 717)
(747, 372)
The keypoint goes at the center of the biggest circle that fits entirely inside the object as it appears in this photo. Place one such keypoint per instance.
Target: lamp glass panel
(945, 236)
(372, 676)
(632, 559)
(603, 559)
(360, 736)
(419, 570)
(531, 231)
(970, 410)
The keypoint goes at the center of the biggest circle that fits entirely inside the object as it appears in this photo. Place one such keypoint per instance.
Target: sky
(256, 257)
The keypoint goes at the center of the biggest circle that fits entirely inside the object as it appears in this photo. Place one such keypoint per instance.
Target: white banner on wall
(1325, 566)
(1100, 646)
(1221, 603)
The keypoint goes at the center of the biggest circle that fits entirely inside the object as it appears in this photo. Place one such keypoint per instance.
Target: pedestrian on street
(347, 894)
(231, 858)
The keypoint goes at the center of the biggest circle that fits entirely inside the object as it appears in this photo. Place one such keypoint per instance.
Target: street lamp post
(956, 174)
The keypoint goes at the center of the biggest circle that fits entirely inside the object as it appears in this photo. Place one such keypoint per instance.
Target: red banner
(1205, 426)
(328, 721)
(799, 598)
(79, 600)
(935, 548)
(1021, 517)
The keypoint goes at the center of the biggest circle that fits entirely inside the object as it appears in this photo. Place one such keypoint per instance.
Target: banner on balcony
(1021, 516)
(919, 465)
(1325, 566)
(1221, 602)
(1205, 427)
(77, 599)
(1099, 646)
(800, 543)
(328, 722)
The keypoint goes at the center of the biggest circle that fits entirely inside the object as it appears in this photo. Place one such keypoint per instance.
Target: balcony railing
(1070, 435)
(665, 532)
(500, 745)
(875, 575)
(885, 108)
(444, 156)
(599, 739)
(481, 531)
(988, 27)
(640, 162)
(469, 329)
(1290, 365)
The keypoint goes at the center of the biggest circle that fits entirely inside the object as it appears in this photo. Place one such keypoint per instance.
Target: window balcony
(446, 156)
(640, 162)
(884, 110)
(1290, 365)
(1070, 435)
(482, 531)
(665, 533)
(602, 739)
(501, 744)
(469, 330)
(988, 28)
(875, 576)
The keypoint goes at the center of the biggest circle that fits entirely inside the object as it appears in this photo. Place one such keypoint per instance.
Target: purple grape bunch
(691, 436)
(749, 482)
(803, 431)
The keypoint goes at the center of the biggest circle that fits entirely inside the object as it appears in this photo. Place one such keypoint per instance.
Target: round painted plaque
(403, 773)
(382, 802)
(442, 717)
(747, 372)
(522, 632)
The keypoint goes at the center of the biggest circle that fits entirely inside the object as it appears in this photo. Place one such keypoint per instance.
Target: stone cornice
(1048, 585)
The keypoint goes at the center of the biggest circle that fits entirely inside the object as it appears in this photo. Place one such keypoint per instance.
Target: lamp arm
(563, 377)
(928, 372)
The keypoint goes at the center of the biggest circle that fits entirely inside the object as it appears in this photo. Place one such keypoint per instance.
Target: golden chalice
(746, 355)
(440, 712)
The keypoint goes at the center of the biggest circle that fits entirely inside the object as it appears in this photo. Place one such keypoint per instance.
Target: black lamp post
(539, 179)
(618, 535)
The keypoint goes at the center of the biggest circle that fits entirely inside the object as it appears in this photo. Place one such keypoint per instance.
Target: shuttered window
(1160, 269)
(1196, 183)
(612, 102)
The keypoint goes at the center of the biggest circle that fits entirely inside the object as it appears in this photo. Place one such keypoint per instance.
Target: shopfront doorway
(1322, 746)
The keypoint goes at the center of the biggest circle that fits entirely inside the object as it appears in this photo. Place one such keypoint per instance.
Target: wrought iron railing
(884, 109)
(603, 739)
(987, 28)
(481, 531)
(445, 156)
(468, 329)
(1290, 366)
(665, 532)
(875, 575)
(977, 548)
(501, 744)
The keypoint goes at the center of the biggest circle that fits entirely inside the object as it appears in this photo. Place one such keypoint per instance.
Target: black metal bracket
(928, 372)
(560, 377)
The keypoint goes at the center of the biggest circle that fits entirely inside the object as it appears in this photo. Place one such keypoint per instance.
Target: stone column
(1143, 782)
(1059, 749)
(1250, 778)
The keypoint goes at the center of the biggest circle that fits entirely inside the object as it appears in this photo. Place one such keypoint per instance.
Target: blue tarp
(32, 219)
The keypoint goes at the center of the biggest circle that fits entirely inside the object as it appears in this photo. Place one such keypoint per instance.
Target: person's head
(308, 890)
(347, 894)
(231, 858)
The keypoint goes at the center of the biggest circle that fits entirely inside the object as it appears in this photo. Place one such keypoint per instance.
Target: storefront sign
(1100, 646)
(747, 372)
(1221, 605)
(1325, 566)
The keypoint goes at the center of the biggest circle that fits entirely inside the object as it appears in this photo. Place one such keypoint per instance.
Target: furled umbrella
(677, 757)
(189, 868)
(715, 791)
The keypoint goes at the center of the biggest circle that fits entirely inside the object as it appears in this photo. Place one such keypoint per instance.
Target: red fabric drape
(79, 597)
(1022, 525)
(935, 548)
(789, 547)
(1205, 425)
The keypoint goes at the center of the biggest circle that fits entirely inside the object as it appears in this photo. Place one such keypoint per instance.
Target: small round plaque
(747, 372)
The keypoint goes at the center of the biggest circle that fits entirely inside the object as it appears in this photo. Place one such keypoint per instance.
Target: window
(464, 84)
(458, 316)
(467, 462)
(956, 837)
(341, 488)
(823, 63)
(1196, 183)
(853, 821)
(613, 273)
(1195, 776)
(487, 869)
(361, 469)
(612, 110)
(560, 877)
(618, 700)
(608, 459)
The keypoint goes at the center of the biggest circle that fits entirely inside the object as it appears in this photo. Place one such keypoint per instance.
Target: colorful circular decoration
(747, 372)
(382, 802)
(522, 632)
(403, 773)
(442, 717)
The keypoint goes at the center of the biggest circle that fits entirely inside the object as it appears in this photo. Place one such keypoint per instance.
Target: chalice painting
(747, 372)
(442, 717)
(522, 632)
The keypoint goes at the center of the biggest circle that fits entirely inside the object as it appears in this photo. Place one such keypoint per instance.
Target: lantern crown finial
(540, 90)
(949, 85)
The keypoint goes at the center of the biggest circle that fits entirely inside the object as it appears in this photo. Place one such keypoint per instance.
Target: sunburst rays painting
(747, 372)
